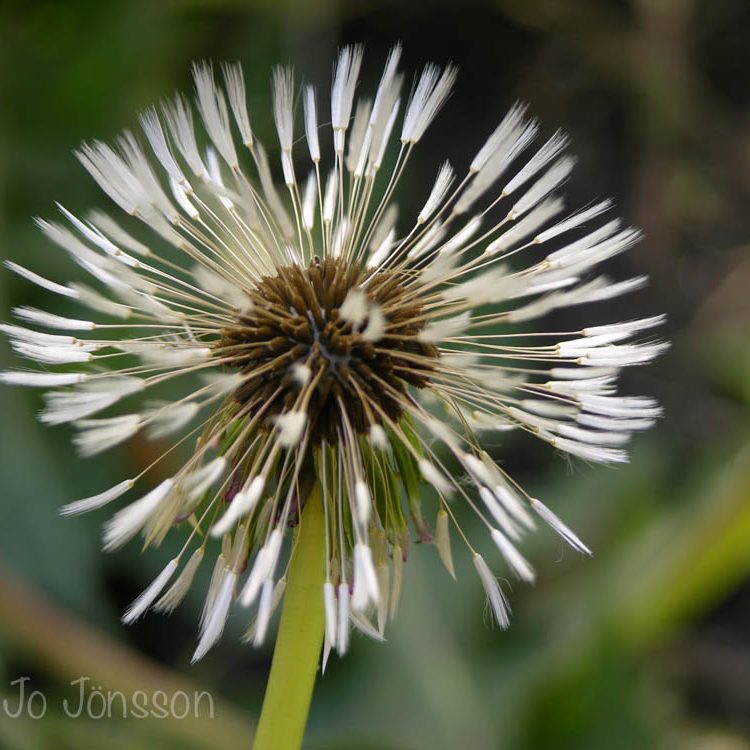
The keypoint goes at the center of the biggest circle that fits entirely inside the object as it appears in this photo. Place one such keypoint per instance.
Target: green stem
(295, 657)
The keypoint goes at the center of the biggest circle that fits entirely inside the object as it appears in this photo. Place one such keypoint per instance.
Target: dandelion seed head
(314, 334)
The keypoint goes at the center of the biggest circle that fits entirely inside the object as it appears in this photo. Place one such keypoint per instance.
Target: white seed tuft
(362, 502)
(443, 181)
(213, 110)
(98, 435)
(242, 503)
(89, 397)
(342, 92)
(513, 557)
(52, 321)
(434, 477)
(196, 483)
(354, 307)
(265, 610)
(329, 608)
(365, 589)
(41, 379)
(309, 200)
(144, 601)
(35, 278)
(555, 523)
(342, 622)
(283, 115)
(97, 501)
(126, 523)
(430, 94)
(439, 330)
(378, 437)
(177, 591)
(234, 80)
(216, 616)
(494, 593)
(171, 418)
(376, 323)
(291, 426)
(311, 124)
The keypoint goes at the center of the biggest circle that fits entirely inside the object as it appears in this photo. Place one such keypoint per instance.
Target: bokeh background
(647, 645)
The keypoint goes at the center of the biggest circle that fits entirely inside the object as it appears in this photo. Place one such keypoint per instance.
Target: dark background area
(647, 645)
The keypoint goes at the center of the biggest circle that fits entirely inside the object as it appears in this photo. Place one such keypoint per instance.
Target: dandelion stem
(295, 657)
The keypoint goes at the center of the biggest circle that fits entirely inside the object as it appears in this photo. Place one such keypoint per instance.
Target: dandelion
(325, 358)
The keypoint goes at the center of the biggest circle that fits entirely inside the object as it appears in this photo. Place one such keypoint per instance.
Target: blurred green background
(647, 645)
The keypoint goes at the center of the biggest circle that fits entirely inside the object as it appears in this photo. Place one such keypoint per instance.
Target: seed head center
(298, 351)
